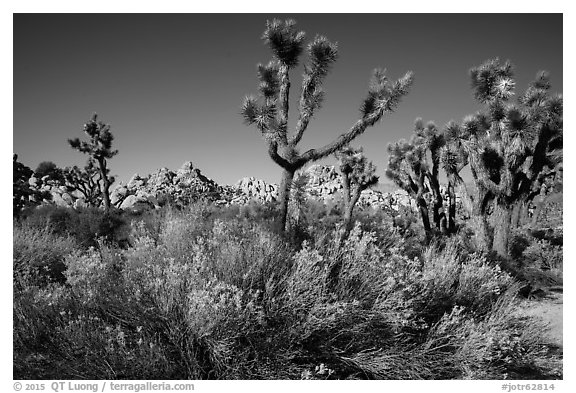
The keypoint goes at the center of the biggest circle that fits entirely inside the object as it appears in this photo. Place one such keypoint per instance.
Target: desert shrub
(519, 241)
(503, 345)
(150, 220)
(204, 292)
(55, 336)
(253, 211)
(537, 260)
(543, 254)
(542, 266)
(86, 274)
(86, 225)
(208, 293)
(55, 217)
(246, 255)
(451, 278)
(39, 255)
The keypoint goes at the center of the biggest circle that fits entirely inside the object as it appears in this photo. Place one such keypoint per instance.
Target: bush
(542, 254)
(39, 255)
(211, 293)
(86, 225)
(537, 260)
(503, 345)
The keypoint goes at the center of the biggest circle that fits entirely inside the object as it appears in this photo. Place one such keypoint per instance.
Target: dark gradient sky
(171, 85)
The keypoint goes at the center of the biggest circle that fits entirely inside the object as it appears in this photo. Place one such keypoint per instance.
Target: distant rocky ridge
(188, 184)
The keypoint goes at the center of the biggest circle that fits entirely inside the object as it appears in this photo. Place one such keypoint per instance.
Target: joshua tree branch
(278, 159)
(283, 97)
(338, 143)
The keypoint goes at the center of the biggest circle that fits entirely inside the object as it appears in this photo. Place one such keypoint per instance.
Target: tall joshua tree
(357, 174)
(99, 148)
(269, 112)
(508, 143)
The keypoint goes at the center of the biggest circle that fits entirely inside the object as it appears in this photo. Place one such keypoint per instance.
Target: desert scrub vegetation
(219, 293)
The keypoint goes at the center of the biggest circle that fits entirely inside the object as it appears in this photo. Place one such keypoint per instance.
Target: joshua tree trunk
(502, 223)
(438, 214)
(481, 232)
(479, 219)
(539, 203)
(524, 216)
(284, 197)
(105, 184)
(519, 214)
(349, 204)
(423, 208)
(451, 208)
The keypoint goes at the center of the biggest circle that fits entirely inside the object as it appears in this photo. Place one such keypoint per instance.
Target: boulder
(129, 202)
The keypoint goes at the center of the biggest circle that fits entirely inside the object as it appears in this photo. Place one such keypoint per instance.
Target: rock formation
(164, 186)
(187, 184)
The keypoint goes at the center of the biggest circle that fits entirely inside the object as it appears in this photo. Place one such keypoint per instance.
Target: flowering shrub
(39, 255)
(542, 254)
(86, 274)
(208, 294)
(503, 345)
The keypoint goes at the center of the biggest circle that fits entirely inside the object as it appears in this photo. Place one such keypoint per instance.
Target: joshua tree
(414, 166)
(358, 174)
(508, 144)
(544, 175)
(453, 159)
(270, 114)
(99, 147)
(430, 142)
(86, 181)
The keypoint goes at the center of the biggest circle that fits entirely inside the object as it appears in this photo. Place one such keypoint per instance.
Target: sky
(171, 85)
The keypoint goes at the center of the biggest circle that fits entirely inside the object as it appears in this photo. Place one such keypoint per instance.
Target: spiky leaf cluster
(322, 55)
(492, 80)
(263, 116)
(285, 42)
(453, 155)
(269, 80)
(384, 96)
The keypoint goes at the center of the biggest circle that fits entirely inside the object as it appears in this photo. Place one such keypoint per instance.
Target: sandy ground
(550, 310)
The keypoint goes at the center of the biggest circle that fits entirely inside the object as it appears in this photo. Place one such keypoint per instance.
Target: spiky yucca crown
(285, 42)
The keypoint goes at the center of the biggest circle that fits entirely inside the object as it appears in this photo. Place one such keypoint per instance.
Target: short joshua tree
(358, 174)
